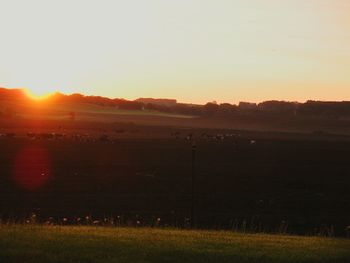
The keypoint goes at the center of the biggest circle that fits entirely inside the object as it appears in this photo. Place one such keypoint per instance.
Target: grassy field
(101, 244)
(83, 110)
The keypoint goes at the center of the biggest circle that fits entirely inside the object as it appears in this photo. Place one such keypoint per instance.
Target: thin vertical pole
(193, 185)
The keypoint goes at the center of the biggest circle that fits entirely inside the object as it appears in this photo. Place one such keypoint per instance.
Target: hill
(310, 117)
(16, 105)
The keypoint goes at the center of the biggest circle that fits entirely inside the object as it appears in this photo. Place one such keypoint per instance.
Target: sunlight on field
(103, 244)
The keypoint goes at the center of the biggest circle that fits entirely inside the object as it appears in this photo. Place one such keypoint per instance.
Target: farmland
(245, 180)
(89, 183)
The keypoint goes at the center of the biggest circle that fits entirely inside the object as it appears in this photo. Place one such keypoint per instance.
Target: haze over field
(194, 51)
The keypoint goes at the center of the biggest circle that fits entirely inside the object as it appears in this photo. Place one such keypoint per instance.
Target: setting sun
(38, 94)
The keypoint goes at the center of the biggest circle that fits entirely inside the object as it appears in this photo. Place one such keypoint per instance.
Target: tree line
(273, 108)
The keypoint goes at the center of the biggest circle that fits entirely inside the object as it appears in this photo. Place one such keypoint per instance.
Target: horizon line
(26, 90)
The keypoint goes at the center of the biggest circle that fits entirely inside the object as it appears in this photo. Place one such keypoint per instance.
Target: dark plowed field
(300, 185)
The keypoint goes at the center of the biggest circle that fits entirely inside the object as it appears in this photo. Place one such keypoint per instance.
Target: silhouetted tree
(210, 108)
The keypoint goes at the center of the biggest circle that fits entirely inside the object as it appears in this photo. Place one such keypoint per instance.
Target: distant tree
(210, 108)
(158, 107)
(247, 106)
(278, 107)
(130, 105)
(327, 109)
(227, 109)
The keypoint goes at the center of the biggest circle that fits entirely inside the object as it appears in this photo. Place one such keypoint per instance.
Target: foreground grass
(101, 244)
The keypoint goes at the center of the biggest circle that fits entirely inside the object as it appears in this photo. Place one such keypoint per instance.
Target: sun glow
(38, 95)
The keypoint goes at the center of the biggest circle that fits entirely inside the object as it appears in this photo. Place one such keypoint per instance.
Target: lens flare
(32, 168)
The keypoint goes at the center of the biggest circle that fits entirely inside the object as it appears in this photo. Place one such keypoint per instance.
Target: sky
(191, 50)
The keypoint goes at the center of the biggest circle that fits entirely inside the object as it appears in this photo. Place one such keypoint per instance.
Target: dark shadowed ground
(248, 181)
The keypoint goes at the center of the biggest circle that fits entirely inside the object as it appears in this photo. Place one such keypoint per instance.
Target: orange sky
(192, 50)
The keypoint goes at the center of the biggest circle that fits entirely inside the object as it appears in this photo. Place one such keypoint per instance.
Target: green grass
(102, 244)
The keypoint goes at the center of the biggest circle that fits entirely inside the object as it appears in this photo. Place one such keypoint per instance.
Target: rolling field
(61, 110)
(101, 244)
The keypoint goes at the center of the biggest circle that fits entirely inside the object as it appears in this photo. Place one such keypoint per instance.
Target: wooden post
(193, 185)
